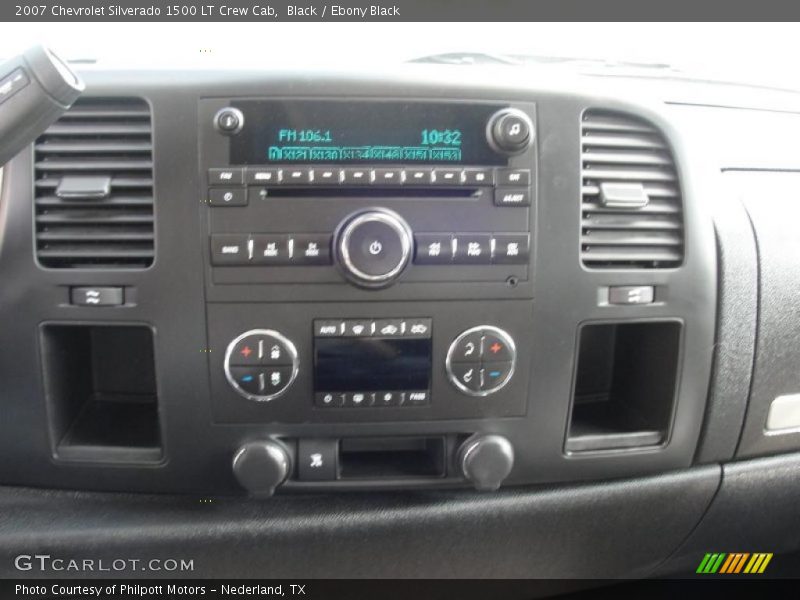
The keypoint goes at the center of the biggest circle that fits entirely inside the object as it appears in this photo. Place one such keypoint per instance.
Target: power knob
(486, 460)
(510, 131)
(373, 247)
(261, 466)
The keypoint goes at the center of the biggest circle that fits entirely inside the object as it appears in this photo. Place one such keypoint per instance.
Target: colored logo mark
(734, 563)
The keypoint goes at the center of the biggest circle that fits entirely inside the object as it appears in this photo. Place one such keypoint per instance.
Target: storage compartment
(625, 383)
(391, 457)
(101, 392)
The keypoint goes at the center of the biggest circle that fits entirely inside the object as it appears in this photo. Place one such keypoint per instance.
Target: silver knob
(486, 460)
(262, 466)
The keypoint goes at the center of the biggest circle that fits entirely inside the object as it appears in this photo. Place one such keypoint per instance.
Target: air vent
(631, 200)
(94, 186)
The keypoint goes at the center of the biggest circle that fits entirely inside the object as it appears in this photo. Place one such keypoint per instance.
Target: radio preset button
(472, 248)
(511, 248)
(231, 176)
(433, 248)
(227, 197)
(447, 176)
(387, 176)
(513, 177)
(356, 176)
(419, 176)
(298, 176)
(512, 197)
(327, 176)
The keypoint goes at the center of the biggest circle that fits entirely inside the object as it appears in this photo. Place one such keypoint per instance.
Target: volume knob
(486, 460)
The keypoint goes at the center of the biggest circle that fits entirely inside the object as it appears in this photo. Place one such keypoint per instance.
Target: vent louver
(630, 200)
(94, 186)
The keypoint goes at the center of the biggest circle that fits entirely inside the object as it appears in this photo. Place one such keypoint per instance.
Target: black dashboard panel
(190, 421)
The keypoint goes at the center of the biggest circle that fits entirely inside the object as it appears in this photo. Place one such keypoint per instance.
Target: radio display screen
(371, 364)
(359, 132)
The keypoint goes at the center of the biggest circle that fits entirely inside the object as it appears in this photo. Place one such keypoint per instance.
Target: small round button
(229, 120)
(481, 360)
(261, 364)
(510, 131)
(374, 247)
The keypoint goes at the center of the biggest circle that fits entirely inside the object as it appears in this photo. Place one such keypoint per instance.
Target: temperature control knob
(262, 466)
(374, 247)
(486, 460)
(510, 131)
(481, 360)
(261, 364)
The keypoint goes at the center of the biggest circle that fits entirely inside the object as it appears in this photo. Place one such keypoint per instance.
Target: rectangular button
(419, 176)
(270, 249)
(234, 176)
(229, 249)
(263, 176)
(631, 294)
(328, 328)
(511, 248)
(356, 176)
(472, 248)
(310, 249)
(329, 399)
(387, 176)
(227, 197)
(513, 176)
(96, 296)
(419, 398)
(447, 176)
(316, 460)
(327, 176)
(433, 248)
(359, 399)
(387, 399)
(388, 327)
(417, 328)
(298, 176)
(358, 328)
(512, 197)
(477, 177)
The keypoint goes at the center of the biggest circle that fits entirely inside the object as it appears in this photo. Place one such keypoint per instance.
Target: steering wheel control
(481, 360)
(261, 364)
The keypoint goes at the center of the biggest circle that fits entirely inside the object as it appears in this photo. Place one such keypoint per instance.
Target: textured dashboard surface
(581, 531)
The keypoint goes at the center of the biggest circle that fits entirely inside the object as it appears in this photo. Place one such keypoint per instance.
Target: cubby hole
(625, 384)
(100, 386)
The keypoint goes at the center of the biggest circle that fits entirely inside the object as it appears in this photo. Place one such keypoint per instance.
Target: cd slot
(370, 192)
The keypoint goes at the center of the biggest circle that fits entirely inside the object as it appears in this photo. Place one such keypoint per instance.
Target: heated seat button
(433, 248)
(275, 380)
(316, 460)
(466, 375)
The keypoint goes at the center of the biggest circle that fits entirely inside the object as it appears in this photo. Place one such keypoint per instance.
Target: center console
(352, 285)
